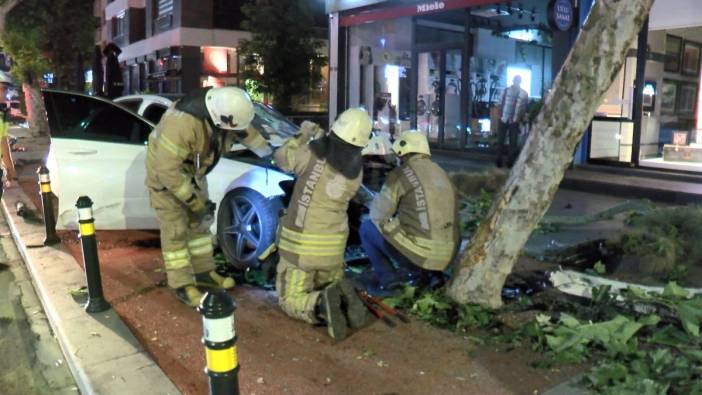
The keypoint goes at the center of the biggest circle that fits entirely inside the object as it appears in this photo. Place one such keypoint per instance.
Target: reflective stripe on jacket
(312, 234)
(180, 151)
(416, 211)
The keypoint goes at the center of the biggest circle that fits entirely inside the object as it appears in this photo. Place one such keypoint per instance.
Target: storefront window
(379, 61)
(613, 125)
(497, 59)
(671, 130)
(462, 61)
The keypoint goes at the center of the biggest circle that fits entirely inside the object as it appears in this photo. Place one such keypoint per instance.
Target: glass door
(429, 90)
(439, 96)
(452, 98)
(612, 128)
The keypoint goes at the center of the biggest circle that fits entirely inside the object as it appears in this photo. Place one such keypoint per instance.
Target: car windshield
(272, 125)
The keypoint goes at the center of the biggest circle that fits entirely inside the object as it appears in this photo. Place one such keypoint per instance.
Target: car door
(98, 149)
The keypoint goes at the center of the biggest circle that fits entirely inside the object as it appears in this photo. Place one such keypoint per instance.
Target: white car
(98, 149)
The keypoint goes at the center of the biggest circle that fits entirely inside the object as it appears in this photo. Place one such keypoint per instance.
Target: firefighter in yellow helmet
(413, 220)
(186, 144)
(313, 232)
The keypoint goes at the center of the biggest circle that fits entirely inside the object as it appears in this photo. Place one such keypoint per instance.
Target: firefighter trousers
(299, 290)
(187, 250)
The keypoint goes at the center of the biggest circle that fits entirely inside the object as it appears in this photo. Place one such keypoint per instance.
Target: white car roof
(147, 98)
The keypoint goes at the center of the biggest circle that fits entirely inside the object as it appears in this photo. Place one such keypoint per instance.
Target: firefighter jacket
(182, 151)
(313, 232)
(416, 211)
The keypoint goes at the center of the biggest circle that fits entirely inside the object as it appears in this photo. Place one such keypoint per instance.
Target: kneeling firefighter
(312, 233)
(413, 220)
(186, 144)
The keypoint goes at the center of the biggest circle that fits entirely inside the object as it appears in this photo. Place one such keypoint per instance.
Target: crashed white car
(98, 149)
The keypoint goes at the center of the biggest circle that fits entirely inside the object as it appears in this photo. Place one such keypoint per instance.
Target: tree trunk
(590, 69)
(34, 102)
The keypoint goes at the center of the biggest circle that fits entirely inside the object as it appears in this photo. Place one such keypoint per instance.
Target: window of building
(165, 7)
(219, 60)
(379, 72)
(450, 87)
(119, 25)
(671, 125)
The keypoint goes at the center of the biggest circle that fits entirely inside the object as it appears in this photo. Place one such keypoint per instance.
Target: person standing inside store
(512, 105)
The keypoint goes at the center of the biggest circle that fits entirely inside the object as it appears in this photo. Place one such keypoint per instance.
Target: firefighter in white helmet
(413, 220)
(313, 232)
(186, 144)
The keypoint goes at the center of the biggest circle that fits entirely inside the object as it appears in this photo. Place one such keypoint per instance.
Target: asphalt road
(31, 361)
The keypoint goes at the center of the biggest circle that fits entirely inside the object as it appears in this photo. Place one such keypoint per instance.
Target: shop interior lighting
(525, 73)
(527, 35)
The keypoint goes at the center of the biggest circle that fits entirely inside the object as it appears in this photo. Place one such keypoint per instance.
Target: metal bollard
(217, 309)
(47, 207)
(96, 300)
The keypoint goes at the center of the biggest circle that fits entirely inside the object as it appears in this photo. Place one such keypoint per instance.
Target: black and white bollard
(47, 206)
(217, 309)
(96, 300)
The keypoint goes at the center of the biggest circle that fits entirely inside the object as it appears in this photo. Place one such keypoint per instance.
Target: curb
(102, 353)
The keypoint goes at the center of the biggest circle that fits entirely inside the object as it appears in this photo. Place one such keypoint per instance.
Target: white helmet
(229, 107)
(353, 126)
(411, 141)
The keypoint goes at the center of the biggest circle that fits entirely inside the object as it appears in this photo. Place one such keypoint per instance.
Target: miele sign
(428, 7)
(403, 9)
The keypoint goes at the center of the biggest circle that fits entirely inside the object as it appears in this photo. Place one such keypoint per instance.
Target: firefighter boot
(356, 311)
(212, 279)
(189, 295)
(331, 311)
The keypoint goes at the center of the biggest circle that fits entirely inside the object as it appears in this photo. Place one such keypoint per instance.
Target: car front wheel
(246, 226)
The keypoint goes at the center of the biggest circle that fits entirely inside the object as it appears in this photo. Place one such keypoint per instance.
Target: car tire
(246, 226)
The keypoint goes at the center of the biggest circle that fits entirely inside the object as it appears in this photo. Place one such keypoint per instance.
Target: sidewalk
(629, 183)
(103, 355)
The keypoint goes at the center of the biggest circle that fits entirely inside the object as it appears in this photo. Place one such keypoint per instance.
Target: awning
(675, 14)
(418, 8)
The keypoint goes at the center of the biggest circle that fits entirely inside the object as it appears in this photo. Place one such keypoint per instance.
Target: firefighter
(413, 220)
(186, 144)
(313, 232)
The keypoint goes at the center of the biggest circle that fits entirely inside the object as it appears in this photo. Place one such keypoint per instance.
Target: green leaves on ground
(640, 343)
(636, 353)
(434, 307)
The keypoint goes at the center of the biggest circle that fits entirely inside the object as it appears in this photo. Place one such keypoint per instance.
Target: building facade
(652, 115)
(170, 47)
(438, 66)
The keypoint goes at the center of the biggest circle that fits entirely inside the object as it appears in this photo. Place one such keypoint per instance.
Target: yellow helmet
(229, 107)
(353, 126)
(411, 141)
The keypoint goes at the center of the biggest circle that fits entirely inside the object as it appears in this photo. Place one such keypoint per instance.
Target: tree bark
(36, 110)
(595, 60)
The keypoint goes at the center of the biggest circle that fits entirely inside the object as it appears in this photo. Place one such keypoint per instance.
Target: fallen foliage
(642, 344)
